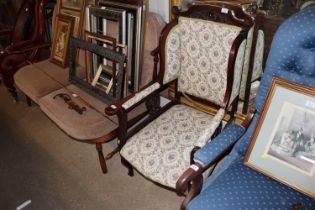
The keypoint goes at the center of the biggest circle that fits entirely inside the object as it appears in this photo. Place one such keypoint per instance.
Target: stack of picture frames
(118, 25)
(68, 22)
(105, 76)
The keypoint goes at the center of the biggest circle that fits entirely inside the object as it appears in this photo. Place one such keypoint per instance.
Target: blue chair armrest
(218, 145)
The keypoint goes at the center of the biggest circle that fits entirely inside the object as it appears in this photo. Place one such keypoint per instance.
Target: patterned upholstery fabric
(238, 71)
(140, 95)
(235, 186)
(249, 43)
(258, 59)
(259, 56)
(240, 187)
(161, 150)
(194, 46)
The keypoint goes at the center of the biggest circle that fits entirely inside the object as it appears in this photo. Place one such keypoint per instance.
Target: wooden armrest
(118, 105)
(45, 45)
(188, 176)
(114, 108)
(25, 46)
(5, 32)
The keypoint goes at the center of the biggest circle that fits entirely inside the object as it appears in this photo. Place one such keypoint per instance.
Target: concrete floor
(39, 162)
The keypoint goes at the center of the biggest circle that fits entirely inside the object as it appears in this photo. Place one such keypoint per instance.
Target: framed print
(77, 21)
(283, 145)
(62, 32)
(75, 9)
(72, 4)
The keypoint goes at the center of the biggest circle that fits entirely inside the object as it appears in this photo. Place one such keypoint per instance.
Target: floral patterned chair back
(197, 52)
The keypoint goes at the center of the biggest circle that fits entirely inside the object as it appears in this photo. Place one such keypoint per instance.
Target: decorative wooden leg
(128, 165)
(101, 158)
(28, 100)
(193, 191)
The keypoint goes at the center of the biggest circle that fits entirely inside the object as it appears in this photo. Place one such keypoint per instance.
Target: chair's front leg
(128, 165)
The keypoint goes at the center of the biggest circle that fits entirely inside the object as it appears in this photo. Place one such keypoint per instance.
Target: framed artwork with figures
(283, 145)
(62, 32)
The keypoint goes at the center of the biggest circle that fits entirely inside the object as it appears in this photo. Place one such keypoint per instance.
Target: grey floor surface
(39, 162)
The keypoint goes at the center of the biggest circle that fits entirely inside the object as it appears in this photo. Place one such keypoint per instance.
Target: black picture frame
(114, 56)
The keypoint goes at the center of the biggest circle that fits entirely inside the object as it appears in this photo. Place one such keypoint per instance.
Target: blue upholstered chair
(233, 185)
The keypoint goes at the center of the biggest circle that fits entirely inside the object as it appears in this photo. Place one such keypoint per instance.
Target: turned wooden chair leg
(101, 158)
(28, 100)
(128, 165)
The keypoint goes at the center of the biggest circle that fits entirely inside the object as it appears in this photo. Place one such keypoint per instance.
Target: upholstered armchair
(232, 185)
(201, 53)
(27, 42)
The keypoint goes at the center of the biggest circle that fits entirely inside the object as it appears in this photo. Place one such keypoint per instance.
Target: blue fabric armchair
(232, 185)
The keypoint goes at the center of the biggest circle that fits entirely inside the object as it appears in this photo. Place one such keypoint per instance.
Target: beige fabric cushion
(161, 150)
(41, 78)
(90, 125)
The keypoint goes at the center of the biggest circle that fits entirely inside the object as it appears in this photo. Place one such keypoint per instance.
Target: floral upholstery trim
(249, 43)
(257, 67)
(238, 67)
(172, 58)
(140, 95)
(161, 150)
(197, 54)
(259, 55)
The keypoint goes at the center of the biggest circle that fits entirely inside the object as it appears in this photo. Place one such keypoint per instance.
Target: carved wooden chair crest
(201, 52)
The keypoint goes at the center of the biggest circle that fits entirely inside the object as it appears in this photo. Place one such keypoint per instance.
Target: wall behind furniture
(161, 7)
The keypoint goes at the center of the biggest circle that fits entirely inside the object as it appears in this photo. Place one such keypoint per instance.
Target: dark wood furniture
(271, 25)
(28, 42)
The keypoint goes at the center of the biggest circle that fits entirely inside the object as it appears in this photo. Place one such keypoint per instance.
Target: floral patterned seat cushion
(161, 150)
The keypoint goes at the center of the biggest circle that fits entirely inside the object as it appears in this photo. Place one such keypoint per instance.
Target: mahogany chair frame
(259, 25)
(22, 52)
(206, 12)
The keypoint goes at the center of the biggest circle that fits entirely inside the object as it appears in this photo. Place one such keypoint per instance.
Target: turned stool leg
(101, 157)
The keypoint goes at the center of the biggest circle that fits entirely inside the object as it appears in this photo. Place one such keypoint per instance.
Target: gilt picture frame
(72, 4)
(283, 146)
(62, 32)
